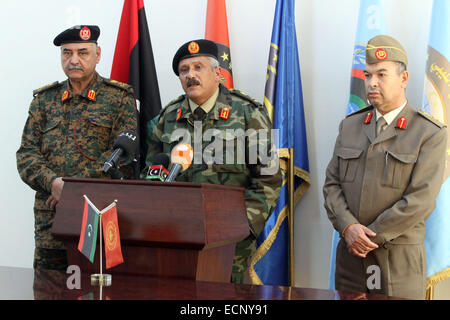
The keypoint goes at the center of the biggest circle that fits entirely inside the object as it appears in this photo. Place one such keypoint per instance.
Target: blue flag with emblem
(370, 23)
(436, 102)
(284, 102)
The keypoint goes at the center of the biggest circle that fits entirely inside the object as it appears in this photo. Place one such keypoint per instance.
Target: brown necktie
(381, 124)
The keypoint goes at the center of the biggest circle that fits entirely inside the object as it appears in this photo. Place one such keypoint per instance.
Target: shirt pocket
(94, 135)
(229, 174)
(397, 169)
(51, 135)
(349, 160)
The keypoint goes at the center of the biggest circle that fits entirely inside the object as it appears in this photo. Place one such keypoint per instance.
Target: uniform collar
(90, 92)
(208, 105)
(391, 115)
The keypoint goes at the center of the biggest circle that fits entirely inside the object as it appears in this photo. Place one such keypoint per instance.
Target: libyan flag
(133, 64)
(111, 235)
(88, 235)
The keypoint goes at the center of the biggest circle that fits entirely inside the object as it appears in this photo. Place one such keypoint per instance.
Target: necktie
(199, 114)
(381, 124)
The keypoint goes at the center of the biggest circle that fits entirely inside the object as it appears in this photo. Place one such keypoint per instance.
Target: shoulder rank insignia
(429, 117)
(401, 123)
(224, 113)
(176, 100)
(368, 117)
(65, 96)
(44, 88)
(245, 97)
(118, 84)
(91, 95)
(362, 110)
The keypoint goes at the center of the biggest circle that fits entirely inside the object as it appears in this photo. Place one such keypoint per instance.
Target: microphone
(181, 159)
(125, 143)
(157, 171)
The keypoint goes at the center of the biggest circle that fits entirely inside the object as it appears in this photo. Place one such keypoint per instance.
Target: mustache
(73, 67)
(192, 81)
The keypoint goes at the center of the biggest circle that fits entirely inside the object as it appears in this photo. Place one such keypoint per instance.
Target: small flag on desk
(113, 250)
(88, 236)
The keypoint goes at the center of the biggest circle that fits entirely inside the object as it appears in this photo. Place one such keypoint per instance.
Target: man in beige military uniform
(382, 182)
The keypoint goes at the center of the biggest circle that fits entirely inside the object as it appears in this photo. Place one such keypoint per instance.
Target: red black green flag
(88, 235)
(134, 64)
(217, 31)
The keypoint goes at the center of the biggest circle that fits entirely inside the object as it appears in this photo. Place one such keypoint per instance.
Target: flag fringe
(299, 192)
(438, 277)
(265, 246)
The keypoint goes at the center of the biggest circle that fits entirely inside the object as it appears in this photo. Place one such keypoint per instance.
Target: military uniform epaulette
(45, 88)
(176, 100)
(246, 97)
(430, 118)
(171, 103)
(360, 111)
(118, 84)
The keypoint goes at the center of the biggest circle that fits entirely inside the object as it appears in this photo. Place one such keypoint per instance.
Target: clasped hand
(357, 238)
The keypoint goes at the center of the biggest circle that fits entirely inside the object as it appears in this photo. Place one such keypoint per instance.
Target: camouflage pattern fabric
(218, 163)
(69, 135)
(54, 259)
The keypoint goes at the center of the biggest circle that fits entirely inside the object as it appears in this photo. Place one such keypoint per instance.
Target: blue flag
(370, 23)
(437, 103)
(284, 101)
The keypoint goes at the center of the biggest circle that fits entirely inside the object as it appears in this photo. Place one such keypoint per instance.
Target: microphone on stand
(157, 171)
(125, 143)
(181, 158)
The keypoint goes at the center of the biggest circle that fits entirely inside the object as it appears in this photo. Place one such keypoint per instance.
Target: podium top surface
(35, 284)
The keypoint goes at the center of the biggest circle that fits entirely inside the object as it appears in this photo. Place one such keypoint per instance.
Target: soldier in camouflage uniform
(207, 106)
(70, 131)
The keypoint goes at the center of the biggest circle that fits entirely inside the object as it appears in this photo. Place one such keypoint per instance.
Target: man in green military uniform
(70, 131)
(223, 125)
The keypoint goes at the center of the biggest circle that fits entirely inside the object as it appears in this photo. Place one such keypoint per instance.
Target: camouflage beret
(78, 33)
(385, 48)
(194, 48)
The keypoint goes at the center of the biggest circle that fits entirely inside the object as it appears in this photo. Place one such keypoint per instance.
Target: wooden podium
(181, 230)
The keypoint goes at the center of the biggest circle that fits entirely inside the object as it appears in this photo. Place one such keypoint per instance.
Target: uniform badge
(224, 113)
(91, 95)
(65, 96)
(85, 33)
(401, 123)
(193, 47)
(368, 117)
(178, 114)
(381, 54)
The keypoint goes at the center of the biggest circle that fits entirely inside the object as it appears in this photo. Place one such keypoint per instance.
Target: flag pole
(101, 279)
(101, 247)
(291, 217)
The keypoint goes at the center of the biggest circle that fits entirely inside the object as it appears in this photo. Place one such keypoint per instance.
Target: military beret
(194, 48)
(78, 33)
(385, 48)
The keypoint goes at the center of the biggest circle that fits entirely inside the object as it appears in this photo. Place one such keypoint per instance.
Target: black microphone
(181, 159)
(125, 143)
(157, 171)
